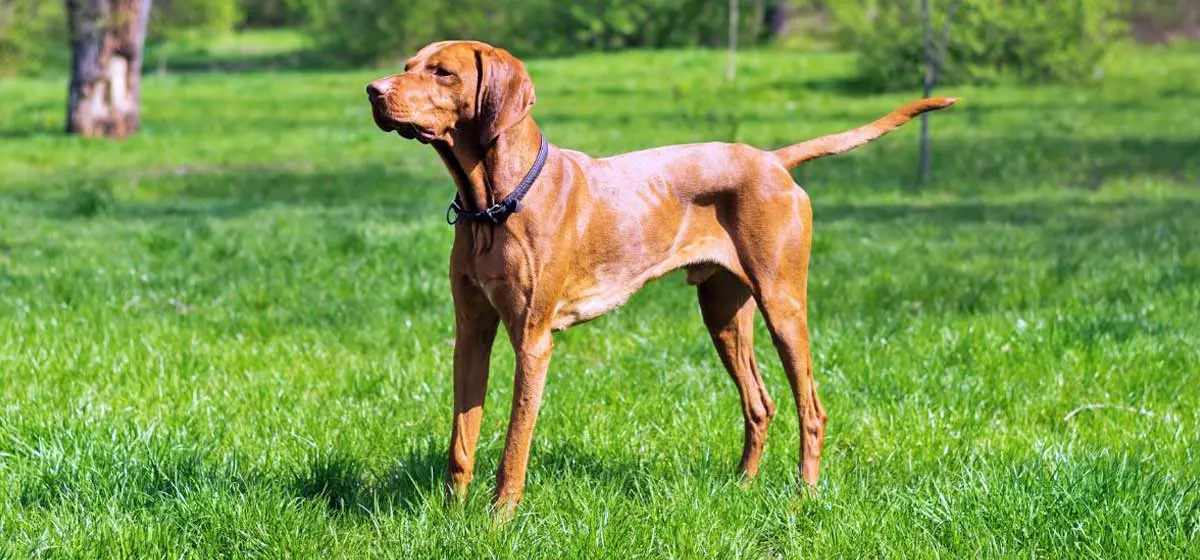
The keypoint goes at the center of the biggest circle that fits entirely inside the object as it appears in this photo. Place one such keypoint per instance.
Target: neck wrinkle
(509, 159)
(485, 175)
(465, 163)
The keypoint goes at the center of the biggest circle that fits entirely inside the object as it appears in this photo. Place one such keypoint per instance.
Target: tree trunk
(760, 18)
(927, 27)
(731, 67)
(935, 61)
(106, 45)
(777, 18)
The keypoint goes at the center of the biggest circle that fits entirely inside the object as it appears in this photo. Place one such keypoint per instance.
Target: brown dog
(591, 232)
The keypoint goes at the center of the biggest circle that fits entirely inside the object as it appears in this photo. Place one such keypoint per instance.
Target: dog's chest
(570, 294)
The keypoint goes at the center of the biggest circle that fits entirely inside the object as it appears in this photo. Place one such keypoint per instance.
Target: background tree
(188, 25)
(1025, 41)
(32, 37)
(935, 57)
(106, 62)
(270, 13)
(731, 66)
(384, 30)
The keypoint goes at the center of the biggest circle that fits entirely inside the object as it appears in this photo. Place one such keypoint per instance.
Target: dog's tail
(841, 142)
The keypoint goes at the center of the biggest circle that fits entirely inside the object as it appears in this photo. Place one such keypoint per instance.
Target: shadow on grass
(961, 167)
(225, 193)
(970, 167)
(344, 485)
(850, 85)
(291, 61)
(633, 476)
(1071, 214)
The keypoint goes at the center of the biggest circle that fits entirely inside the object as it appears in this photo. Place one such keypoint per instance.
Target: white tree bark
(107, 37)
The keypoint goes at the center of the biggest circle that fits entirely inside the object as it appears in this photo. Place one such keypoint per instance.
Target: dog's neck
(485, 174)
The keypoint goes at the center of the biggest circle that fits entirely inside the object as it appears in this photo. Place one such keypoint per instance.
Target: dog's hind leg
(787, 321)
(776, 258)
(728, 312)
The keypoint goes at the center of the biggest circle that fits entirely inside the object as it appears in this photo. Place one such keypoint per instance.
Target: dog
(546, 238)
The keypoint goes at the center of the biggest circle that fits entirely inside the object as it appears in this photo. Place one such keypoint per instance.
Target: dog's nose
(378, 88)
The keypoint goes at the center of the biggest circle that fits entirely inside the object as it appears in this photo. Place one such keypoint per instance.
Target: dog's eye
(441, 72)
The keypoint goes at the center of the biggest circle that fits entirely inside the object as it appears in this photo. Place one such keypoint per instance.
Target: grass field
(228, 336)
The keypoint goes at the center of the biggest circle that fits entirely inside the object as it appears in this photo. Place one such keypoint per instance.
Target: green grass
(228, 336)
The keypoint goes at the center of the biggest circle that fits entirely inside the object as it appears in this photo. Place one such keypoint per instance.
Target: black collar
(500, 211)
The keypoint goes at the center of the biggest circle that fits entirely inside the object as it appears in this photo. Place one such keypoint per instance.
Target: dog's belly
(608, 287)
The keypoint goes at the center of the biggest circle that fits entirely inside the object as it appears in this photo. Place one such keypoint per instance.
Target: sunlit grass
(229, 334)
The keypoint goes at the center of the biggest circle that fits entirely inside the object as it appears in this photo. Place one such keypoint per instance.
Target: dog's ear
(504, 94)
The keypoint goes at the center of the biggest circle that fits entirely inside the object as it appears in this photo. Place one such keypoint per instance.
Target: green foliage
(33, 35)
(367, 30)
(171, 18)
(1030, 41)
(566, 27)
(271, 13)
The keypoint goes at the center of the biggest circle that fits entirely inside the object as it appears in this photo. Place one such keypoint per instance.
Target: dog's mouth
(411, 131)
(407, 130)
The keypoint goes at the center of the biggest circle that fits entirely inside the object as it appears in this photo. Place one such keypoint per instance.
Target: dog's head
(453, 88)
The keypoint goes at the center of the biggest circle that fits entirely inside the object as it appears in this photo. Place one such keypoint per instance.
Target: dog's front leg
(475, 323)
(533, 349)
